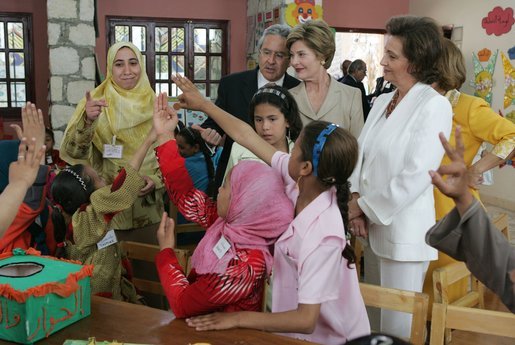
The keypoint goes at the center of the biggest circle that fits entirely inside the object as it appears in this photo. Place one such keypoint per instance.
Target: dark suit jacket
(349, 80)
(235, 92)
(379, 90)
(474, 239)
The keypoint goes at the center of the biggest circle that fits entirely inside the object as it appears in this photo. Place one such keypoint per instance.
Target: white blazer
(393, 181)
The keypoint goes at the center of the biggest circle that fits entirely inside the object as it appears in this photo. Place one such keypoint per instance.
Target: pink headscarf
(259, 212)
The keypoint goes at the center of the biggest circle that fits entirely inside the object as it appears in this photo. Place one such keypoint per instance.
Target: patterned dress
(91, 223)
(240, 287)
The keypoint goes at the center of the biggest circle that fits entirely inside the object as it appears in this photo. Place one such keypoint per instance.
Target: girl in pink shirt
(316, 293)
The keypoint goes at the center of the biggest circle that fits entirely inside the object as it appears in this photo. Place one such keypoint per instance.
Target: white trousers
(404, 275)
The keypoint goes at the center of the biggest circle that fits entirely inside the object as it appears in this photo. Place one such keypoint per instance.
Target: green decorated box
(39, 295)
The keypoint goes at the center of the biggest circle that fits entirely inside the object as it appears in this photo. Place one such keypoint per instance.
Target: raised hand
(25, 169)
(190, 98)
(457, 182)
(93, 108)
(166, 232)
(32, 123)
(165, 118)
(210, 136)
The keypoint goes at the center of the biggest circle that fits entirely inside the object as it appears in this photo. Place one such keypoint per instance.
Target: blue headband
(319, 145)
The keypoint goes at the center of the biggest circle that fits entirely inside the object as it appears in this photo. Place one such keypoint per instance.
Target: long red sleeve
(240, 287)
(194, 204)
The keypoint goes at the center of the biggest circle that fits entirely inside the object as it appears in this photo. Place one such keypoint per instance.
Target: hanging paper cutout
(301, 11)
(509, 81)
(483, 82)
(498, 21)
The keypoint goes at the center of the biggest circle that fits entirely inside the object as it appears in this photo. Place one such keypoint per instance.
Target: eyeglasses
(271, 54)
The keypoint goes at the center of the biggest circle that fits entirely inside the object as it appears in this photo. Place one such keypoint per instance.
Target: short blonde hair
(318, 36)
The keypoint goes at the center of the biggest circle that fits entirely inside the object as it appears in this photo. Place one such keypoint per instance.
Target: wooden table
(113, 320)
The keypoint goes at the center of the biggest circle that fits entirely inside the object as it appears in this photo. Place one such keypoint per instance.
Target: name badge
(221, 247)
(49, 160)
(112, 150)
(109, 239)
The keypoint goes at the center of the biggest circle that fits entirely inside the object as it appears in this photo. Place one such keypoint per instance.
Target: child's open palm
(25, 169)
(165, 118)
(32, 123)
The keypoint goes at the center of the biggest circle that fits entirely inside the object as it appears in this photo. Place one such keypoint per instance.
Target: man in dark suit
(235, 91)
(357, 72)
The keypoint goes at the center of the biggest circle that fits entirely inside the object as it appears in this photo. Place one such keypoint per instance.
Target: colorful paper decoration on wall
(509, 81)
(301, 11)
(484, 81)
(498, 21)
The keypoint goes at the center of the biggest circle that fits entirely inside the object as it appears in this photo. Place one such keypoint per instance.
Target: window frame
(189, 25)
(28, 51)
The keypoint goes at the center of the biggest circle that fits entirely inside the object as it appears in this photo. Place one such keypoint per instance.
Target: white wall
(469, 14)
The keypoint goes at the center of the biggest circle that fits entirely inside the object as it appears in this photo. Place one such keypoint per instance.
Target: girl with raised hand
(234, 258)
(316, 293)
(84, 219)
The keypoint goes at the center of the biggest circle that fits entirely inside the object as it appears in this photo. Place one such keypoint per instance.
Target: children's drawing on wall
(498, 21)
(483, 81)
(301, 11)
(509, 81)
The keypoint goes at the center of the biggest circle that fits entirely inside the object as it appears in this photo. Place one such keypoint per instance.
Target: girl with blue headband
(316, 293)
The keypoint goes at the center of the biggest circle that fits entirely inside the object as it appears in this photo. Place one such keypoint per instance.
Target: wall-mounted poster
(483, 81)
(301, 11)
(498, 21)
(509, 81)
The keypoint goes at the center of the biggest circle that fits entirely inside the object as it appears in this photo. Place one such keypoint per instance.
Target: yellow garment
(128, 116)
(478, 123)
(90, 226)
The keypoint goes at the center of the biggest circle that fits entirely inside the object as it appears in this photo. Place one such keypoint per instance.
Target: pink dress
(309, 268)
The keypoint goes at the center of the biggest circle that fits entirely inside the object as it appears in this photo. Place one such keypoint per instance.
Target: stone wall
(71, 42)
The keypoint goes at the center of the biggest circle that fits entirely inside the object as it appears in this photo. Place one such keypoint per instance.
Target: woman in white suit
(392, 191)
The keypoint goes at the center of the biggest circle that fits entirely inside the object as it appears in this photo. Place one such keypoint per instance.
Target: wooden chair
(501, 223)
(445, 276)
(415, 303)
(147, 252)
(469, 319)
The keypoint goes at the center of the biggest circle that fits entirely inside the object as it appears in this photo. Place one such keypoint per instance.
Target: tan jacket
(341, 106)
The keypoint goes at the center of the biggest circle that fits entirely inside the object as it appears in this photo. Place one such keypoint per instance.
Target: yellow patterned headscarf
(128, 114)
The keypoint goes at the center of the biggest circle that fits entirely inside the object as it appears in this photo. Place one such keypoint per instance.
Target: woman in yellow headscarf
(109, 125)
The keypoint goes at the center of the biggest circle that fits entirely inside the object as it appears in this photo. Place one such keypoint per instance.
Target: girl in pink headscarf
(233, 260)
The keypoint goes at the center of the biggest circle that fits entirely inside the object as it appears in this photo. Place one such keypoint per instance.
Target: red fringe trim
(62, 289)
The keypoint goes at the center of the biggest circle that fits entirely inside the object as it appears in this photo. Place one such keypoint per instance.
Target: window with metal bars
(16, 68)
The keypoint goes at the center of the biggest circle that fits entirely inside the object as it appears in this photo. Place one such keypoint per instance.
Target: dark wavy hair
(422, 44)
(336, 163)
(287, 106)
